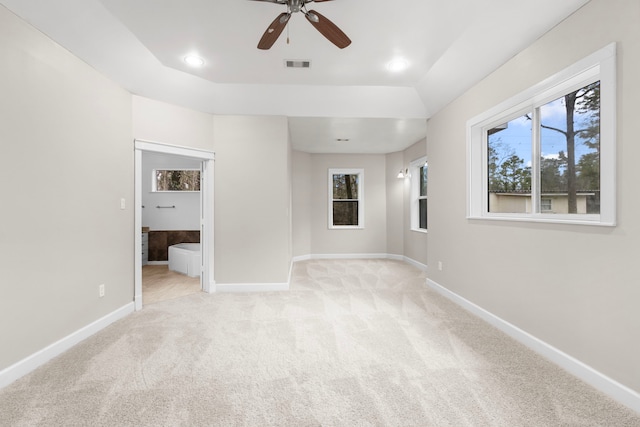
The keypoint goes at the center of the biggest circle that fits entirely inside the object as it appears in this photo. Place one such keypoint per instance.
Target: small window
(548, 154)
(346, 198)
(418, 171)
(165, 180)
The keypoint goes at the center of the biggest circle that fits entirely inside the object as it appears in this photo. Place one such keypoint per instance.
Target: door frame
(206, 210)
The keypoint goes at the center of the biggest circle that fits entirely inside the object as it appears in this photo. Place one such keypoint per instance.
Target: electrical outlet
(123, 204)
(440, 265)
(101, 290)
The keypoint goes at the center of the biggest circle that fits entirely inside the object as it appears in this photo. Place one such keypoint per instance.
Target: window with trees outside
(549, 154)
(346, 207)
(418, 209)
(176, 180)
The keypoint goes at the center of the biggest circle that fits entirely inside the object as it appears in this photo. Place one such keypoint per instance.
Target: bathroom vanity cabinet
(145, 248)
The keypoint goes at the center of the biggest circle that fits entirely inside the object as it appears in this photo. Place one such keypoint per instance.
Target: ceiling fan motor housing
(296, 5)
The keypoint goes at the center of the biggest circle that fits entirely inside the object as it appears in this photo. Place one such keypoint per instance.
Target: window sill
(583, 220)
(346, 227)
(420, 230)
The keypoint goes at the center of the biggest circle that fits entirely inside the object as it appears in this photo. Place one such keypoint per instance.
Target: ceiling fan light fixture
(194, 61)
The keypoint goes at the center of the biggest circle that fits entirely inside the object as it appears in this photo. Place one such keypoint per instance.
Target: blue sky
(517, 136)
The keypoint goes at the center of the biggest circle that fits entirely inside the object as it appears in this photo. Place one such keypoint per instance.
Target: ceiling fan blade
(275, 1)
(328, 29)
(273, 32)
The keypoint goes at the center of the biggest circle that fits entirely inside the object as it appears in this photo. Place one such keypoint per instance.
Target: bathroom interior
(170, 227)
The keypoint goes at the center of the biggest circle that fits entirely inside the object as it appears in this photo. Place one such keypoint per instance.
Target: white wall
(171, 124)
(386, 200)
(186, 214)
(395, 204)
(252, 242)
(370, 240)
(252, 199)
(574, 287)
(415, 242)
(66, 160)
(301, 203)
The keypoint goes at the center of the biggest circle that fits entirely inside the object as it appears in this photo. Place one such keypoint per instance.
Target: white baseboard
(251, 287)
(347, 256)
(25, 366)
(596, 379)
(157, 263)
(396, 257)
(415, 263)
(269, 287)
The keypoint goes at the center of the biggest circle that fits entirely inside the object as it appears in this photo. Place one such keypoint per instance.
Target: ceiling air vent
(297, 63)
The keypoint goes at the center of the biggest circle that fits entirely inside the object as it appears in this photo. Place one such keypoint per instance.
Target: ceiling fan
(322, 24)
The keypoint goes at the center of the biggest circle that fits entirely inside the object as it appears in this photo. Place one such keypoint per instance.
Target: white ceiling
(449, 45)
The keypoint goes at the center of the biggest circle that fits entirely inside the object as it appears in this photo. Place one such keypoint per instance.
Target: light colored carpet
(353, 343)
(161, 284)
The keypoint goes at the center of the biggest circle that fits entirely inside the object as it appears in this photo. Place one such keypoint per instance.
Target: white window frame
(414, 171)
(360, 199)
(601, 66)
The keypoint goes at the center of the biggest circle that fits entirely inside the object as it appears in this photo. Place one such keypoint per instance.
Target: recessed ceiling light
(397, 65)
(194, 61)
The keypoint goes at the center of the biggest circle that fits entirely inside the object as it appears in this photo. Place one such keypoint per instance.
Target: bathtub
(185, 258)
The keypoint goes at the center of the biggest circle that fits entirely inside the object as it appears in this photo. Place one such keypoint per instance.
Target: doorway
(204, 160)
(159, 283)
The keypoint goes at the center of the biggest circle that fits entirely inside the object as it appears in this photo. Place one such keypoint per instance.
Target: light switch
(122, 204)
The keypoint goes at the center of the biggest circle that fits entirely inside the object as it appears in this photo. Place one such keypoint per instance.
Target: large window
(418, 170)
(346, 207)
(548, 154)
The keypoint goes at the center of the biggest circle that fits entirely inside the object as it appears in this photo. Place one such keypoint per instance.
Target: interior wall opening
(170, 226)
(174, 222)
